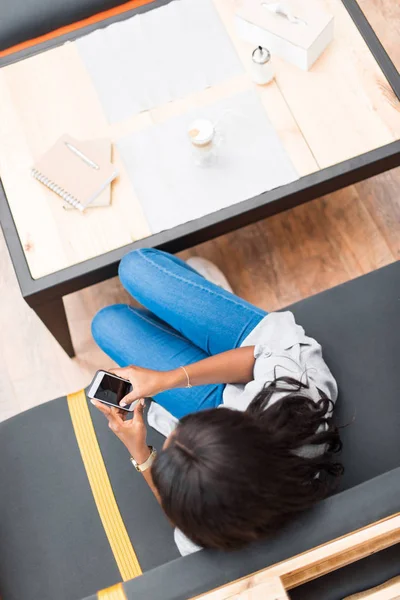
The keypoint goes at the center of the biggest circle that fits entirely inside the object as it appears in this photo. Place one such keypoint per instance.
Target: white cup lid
(261, 55)
(201, 131)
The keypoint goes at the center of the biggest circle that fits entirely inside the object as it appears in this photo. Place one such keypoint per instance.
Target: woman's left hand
(131, 432)
(146, 383)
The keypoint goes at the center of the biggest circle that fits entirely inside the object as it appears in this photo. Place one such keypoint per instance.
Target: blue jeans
(186, 319)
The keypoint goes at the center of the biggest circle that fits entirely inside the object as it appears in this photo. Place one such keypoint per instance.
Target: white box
(300, 43)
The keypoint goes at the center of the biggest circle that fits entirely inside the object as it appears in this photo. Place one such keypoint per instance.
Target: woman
(243, 397)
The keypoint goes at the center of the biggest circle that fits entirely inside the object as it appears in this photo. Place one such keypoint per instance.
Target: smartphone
(110, 389)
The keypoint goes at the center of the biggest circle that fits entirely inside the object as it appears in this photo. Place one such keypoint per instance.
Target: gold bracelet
(189, 385)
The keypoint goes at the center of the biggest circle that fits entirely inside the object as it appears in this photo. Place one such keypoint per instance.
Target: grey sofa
(28, 19)
(53, 545)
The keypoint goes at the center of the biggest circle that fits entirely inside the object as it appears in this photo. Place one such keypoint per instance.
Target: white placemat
(173, 190)
(158, 56)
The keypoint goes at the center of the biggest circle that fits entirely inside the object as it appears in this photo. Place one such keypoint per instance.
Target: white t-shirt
(281, 348)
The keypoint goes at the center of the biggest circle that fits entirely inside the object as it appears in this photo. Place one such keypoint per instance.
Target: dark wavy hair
(227, 477)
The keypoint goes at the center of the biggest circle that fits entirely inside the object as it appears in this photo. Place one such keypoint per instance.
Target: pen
(82, 156)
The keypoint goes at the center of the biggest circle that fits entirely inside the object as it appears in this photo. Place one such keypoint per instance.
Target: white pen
(82, 156)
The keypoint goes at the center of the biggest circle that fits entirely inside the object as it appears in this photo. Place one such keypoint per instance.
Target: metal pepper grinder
(261, 69)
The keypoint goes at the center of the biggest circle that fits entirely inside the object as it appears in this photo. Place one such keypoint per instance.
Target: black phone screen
(112, 390)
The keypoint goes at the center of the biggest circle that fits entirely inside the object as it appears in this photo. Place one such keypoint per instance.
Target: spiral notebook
(77, 171)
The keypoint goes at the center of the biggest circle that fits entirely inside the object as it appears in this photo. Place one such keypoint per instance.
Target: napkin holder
(296, 30)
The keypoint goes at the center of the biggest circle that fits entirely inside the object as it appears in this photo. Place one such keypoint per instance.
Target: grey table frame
(45, 295)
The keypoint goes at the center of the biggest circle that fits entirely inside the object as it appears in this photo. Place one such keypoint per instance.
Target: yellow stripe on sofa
(116, 592)
(102, 491)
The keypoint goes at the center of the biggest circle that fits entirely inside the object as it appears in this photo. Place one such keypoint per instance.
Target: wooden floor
(384, 16)
(272, 263)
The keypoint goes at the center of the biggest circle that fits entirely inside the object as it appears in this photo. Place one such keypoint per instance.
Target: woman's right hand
(145, 382)
(131, 432)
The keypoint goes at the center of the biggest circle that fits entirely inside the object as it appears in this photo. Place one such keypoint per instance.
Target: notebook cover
(62, 166)
(102, 149)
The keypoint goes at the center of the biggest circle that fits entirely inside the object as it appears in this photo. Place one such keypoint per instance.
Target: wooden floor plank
(36, 365)
(381, 197)
(384, 16)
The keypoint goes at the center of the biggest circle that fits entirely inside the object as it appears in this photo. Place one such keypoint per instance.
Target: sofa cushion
(22, 20)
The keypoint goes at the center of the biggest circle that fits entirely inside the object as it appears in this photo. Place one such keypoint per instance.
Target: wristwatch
(147, 463)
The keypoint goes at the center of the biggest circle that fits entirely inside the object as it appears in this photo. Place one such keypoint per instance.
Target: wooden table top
(341, 108)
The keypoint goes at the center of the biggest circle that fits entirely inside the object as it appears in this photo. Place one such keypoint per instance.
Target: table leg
(53, 315)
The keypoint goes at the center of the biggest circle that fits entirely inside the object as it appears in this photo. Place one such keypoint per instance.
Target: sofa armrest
(350, 517)
(273, 581)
